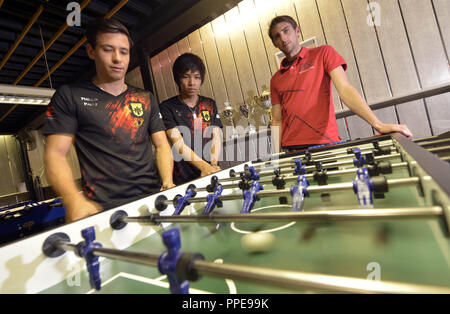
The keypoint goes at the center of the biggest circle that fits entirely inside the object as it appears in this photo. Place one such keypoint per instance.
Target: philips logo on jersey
(89, 102)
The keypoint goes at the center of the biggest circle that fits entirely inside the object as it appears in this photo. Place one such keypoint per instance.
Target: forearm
(216, 147)
(354, 101)
(60, 176)
(192, 158)
(276, 131)
(164, 162)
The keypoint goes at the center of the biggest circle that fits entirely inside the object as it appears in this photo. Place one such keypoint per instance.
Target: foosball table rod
(335, 173)
(290, 168)
(184, 267)
(120, 219)
(347, 150)
(381, 183)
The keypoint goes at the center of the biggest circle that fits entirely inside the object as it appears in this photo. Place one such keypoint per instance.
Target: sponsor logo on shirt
(89, 102)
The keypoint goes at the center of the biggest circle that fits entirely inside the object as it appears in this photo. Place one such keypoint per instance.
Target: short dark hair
(185, 63)
(281, 18)
(102, 25)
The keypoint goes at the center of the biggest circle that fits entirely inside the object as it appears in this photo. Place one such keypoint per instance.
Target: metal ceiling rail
(47, 46)
(78, 45)
(22, 35)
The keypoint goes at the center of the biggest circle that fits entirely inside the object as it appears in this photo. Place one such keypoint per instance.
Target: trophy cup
(247, 112)
(228, 113)
(265, 103)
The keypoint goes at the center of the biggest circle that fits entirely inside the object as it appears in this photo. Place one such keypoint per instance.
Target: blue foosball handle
(250, 197)
(84, 249)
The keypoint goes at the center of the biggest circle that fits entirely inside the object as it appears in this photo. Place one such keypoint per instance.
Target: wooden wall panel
(173, 54)
(134, 78)
(442, 11)
(226, 58)
(183, 46)
(195, 44)
(215, 69)
(260, 68)
(400, 67)
(241, 56)
(264, 9)
(229, 68)
(370, 59)
(309, 20)
(336, 33)
(286, 7)
(255, 44)
(166, 70)
(430, 57)
(160, 92)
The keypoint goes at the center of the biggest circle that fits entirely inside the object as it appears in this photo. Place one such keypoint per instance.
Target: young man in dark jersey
(301, 92)
(112, 125)
(193, 123)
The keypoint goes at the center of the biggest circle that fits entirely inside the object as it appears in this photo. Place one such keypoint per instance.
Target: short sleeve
(167, 115)
(61, 116)
(216, 119)
(156, 121)
(332, 60)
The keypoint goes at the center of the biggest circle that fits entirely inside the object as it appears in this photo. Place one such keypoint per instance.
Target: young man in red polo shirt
(301, 92)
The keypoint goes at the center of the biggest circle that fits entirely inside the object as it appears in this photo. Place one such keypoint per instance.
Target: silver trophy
(228, 114)
(248, 113)
(265, 103)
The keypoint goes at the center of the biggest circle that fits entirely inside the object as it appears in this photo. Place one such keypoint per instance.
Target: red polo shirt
(303, 89)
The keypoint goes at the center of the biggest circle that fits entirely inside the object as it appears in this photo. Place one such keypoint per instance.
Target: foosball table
(364, 216)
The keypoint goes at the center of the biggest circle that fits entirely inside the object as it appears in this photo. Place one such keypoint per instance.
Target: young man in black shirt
(192, 122)
(111, 125)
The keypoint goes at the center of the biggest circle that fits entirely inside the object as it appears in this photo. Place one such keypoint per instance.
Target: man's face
(111, 56)
(190, 83)
(285, 37)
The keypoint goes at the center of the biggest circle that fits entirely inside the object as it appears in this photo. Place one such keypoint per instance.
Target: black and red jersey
(195, 124)
(112, 139)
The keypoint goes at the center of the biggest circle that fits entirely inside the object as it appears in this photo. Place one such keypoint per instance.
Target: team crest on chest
(137, 108)
(206, 115)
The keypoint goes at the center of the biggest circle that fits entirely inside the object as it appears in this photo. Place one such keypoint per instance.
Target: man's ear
(90, 51)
